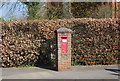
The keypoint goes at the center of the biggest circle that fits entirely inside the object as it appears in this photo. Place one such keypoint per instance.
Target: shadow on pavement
(114, 70)
(48, 67)
(116, 74)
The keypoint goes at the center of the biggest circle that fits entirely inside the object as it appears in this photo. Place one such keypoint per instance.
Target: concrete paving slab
(77, 72)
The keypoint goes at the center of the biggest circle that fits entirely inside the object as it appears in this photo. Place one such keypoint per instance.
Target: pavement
(76, 72)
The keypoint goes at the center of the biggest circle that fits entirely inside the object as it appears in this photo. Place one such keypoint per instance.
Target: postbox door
(64, 44)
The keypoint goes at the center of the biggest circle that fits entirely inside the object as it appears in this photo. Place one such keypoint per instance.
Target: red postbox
(64, 44)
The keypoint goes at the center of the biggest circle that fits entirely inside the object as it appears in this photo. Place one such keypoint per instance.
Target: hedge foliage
(94, 41)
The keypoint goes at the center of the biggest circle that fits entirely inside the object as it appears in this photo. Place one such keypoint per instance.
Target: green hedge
(94, 41)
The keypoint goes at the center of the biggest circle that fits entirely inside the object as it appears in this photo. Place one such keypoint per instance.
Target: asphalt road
(76, 72)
